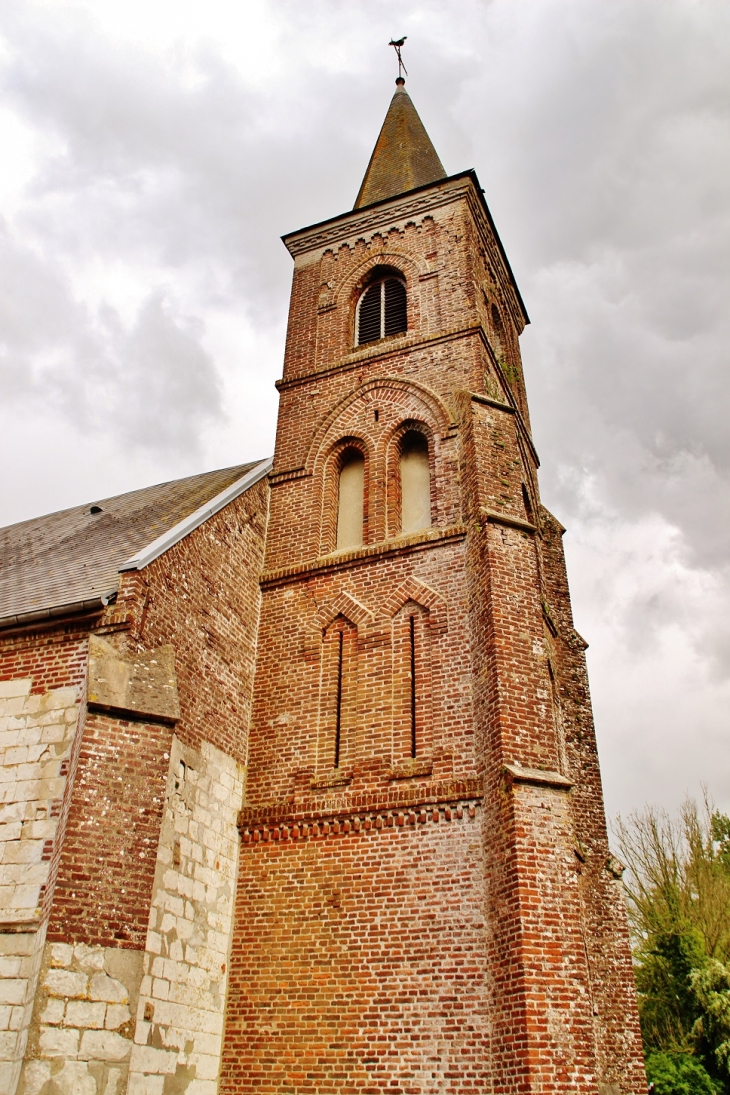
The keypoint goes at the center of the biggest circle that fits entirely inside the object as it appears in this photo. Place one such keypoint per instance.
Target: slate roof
(403, 157)
(74, 556)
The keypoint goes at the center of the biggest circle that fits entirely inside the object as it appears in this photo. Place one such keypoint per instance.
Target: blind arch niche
(351, 500)
(414, 466)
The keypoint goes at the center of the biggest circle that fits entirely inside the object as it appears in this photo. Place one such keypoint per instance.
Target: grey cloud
(151, 384)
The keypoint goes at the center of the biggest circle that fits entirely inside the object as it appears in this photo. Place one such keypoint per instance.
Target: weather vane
(397, 47)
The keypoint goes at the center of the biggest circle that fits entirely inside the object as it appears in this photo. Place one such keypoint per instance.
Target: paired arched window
(408, 491)
(382, 310)
(415, 482)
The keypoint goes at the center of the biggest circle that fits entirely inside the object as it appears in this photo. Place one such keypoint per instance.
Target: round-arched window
(382, 310)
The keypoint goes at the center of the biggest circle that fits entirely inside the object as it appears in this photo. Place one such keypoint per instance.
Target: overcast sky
(153, 153)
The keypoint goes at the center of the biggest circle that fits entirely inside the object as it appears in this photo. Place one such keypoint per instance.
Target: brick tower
(426, 898)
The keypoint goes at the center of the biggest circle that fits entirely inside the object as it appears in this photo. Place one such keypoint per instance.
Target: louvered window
(382, 310)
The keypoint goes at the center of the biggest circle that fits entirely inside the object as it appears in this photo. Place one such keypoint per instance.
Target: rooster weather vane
(397, 46)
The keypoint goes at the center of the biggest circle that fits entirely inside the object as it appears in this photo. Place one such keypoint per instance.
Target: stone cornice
(538, 777)
(491, 516)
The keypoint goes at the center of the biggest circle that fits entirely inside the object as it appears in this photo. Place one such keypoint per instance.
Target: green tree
(711, 1031)
(678, 890)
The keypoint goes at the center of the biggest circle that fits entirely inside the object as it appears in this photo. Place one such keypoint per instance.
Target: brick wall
(202, 596)
(358, 961)
(104, 883)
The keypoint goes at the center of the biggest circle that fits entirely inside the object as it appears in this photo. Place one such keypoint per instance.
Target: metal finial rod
(397, 47)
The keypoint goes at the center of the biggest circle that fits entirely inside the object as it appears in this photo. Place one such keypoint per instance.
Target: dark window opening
(382, 311)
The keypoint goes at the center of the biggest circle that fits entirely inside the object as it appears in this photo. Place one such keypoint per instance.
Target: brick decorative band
(303, 830)
(355, 359)
(442, 801)
(419, 541)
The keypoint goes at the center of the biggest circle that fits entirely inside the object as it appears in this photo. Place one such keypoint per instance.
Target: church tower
(426, 898)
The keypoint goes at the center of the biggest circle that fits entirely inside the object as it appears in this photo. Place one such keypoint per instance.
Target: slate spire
(403, 157)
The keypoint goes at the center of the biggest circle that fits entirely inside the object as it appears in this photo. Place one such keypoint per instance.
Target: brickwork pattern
(288, 749)
(50, 659)
(340, 939)
(105, 876)
(202, 596)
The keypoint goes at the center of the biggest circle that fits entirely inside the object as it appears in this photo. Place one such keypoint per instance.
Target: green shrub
(678, 1074)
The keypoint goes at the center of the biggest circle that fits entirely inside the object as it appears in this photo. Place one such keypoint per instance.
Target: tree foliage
(678, 1074)
(678, 888)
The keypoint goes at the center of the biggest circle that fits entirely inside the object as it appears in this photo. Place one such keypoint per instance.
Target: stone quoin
(300, 789)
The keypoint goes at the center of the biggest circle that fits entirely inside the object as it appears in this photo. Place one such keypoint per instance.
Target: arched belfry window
(415, 482)
(382, 310)
(351, 500)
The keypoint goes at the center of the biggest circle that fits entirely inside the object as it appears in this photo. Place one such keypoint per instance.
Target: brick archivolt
(414, 590)
(412, 266)
(365, 619)
(344, 604)
(408, 399)
(373, 418)
(342, 280)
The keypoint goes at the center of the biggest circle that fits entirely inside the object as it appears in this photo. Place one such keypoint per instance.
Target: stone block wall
(39, 731)
(80, 1037)
(179, 1027)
